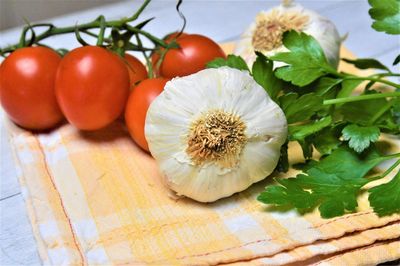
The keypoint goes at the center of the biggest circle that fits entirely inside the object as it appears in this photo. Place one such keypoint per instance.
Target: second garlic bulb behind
(266, 33)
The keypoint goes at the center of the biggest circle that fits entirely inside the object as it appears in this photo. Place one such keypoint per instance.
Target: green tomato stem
(100, 39)
(361, 98)
(149, 36)
(137, 13)
(107, 40)
(146, 57)
(97, 23)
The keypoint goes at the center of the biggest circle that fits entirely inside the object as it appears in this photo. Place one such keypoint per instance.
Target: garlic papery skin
(266, 33)
(214, 133)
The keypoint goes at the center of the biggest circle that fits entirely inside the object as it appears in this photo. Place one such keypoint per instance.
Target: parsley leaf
(288, 193)
(300, 108)
(385, 198)
(283, 163)
(348, 86)
(364, 112)
(365, 63)
(396, 110)
(264, 75)
(327, 140)
(232, 61)
(333, 193)
(360, 137)
(306, 59)
(332, 184)
(386, 14)
(396, 60)
(325, 84)
(316, 100)
(307, 147)
(349, 164)
(300, 132)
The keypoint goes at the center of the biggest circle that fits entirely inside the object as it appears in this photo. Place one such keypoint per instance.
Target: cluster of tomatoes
(91, 86)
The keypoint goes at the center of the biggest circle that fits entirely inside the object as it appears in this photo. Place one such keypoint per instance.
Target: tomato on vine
(138, 104)
(194, 52)
(92, 87)
(137, 71)
(27, 87)
(156, 55)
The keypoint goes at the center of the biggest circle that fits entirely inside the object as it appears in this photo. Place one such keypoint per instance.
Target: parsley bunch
(323, 114)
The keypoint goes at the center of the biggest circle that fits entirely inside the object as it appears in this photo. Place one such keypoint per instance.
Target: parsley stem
(387, 75)
(387, 82)
(380, 112)
(361, 98)
(391, 156)
(390, 169)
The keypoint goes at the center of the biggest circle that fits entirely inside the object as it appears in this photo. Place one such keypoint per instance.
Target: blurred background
(221, 20)
(13, 12)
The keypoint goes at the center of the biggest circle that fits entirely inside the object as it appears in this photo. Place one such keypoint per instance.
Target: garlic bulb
(265, 34)
(214, 133)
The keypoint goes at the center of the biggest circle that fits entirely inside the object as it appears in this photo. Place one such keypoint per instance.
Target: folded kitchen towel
(334, 251)
(96, 198)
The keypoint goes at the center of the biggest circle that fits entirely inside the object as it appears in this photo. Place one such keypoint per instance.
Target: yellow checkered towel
(96, 198)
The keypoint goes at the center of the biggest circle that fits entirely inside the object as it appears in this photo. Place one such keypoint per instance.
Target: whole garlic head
(266, 33)
(214, 133)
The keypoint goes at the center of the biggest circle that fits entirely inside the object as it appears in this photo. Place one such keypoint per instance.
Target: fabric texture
(96, 198)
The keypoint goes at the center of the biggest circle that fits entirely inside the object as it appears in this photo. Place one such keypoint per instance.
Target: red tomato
(137, 106)
(137, 71)
(92, 86)
(156, 55)
(27, 87)
(194, 53)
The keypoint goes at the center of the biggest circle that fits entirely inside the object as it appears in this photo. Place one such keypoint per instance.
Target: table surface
(223, 21)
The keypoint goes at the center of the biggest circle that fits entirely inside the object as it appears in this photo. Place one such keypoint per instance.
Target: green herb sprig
(325, 114)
